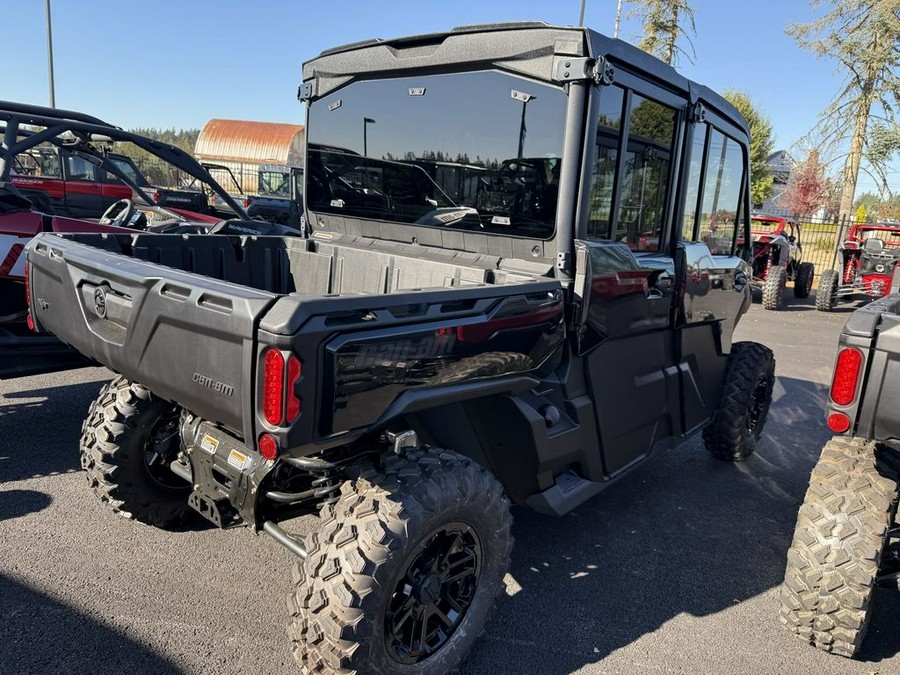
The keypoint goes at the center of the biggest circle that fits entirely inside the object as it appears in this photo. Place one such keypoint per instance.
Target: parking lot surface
(674, 569)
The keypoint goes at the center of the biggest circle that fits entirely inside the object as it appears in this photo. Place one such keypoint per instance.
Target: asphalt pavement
(675, 569)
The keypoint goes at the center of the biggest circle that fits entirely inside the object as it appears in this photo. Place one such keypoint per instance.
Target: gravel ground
(674, 569)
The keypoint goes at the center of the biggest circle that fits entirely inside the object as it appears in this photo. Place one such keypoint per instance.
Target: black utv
(847, 541)
(507, 296)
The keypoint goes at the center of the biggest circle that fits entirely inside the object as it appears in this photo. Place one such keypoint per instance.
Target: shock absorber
(848, 270)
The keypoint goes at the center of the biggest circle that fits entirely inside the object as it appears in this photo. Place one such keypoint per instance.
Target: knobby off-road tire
(737, 424)
(127, 442)
(837, 547)
(803, 280)
(391, 544)
(826, 294)
(773, 288)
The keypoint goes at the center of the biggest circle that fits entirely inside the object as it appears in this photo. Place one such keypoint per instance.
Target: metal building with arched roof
(243, 146)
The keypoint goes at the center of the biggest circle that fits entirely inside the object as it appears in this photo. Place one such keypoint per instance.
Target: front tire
(773, 288)
(803, 280)
(127, 443)
(403, 573)
(833, 562)
(735, 428)
(826, 295)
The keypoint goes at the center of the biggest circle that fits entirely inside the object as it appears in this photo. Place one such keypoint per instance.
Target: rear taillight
(246, 202)
(29, 320)
(268, 447)
(279, 392)
(27, 287)
(156, 196)
(295, 371)
(273, 387)
(838, 422)
(846, 376)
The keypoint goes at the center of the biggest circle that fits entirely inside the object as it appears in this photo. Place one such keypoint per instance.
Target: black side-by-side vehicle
(512, 293)
(847, 540)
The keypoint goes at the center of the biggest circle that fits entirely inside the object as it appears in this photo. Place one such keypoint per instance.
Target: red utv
(776, 258)
(868, 257)
(27, 129)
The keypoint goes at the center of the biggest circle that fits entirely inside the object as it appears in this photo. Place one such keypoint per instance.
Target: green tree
(862, 36)
(762, 142)
(663, 23)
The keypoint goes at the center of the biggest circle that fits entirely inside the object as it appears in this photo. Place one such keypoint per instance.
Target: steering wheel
(118, 214)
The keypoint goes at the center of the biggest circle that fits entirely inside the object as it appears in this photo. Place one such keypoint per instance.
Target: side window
(80, 169)
(721, 193)
(609, 121)
(692, 193)
(125, 168)
(645, 184)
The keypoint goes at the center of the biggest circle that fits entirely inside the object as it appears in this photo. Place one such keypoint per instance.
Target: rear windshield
(474, 151)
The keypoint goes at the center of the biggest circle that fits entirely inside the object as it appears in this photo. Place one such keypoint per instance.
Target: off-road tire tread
(826, 294)
(803, 280)
(105, 433)
(837, 546)
(726, 437)
(773, 288)
(336, 588)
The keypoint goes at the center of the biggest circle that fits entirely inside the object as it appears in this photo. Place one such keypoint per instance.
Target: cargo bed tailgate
(187, 337)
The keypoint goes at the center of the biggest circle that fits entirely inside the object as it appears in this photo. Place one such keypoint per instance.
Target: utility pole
(581, 16)
(50, 57)
(618, 18)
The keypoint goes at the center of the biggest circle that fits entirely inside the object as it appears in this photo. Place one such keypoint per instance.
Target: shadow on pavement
(683, 534)
(16, 503)
(41, 436)
(36, 622)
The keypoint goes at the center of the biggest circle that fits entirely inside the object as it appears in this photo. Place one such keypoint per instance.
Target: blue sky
(178, 63)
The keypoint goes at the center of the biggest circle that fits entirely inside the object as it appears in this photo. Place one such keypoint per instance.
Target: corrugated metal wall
(243, 146)
(251, 142)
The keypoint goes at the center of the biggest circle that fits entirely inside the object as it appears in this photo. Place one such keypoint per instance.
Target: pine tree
(663, 23)
(862, 37)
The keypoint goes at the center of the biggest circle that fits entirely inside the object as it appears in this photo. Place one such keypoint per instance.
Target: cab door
(84, 190)
(625, 267)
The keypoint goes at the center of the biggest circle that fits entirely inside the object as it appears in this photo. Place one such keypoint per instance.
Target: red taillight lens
(295, 371)
(273, 386)
(838, 422)
(246, 202)
(846, 375)
(268, 448)
(27, 286)
(156, 196)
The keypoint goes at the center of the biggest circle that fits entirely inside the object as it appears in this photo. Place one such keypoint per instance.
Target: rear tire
(127, 442)
(826, 295)
(735, 428)
(833, 562)
(803, 280)
(773, 288)
(381, 561)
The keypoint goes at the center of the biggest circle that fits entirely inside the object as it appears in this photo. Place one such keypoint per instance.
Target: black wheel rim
(757, 404)
(434, 594)
(160, 449)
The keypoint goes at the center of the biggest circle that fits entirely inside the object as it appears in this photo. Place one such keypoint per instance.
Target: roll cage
(77, 134)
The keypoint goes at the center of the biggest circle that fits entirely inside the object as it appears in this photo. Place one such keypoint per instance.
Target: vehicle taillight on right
(846, 376)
